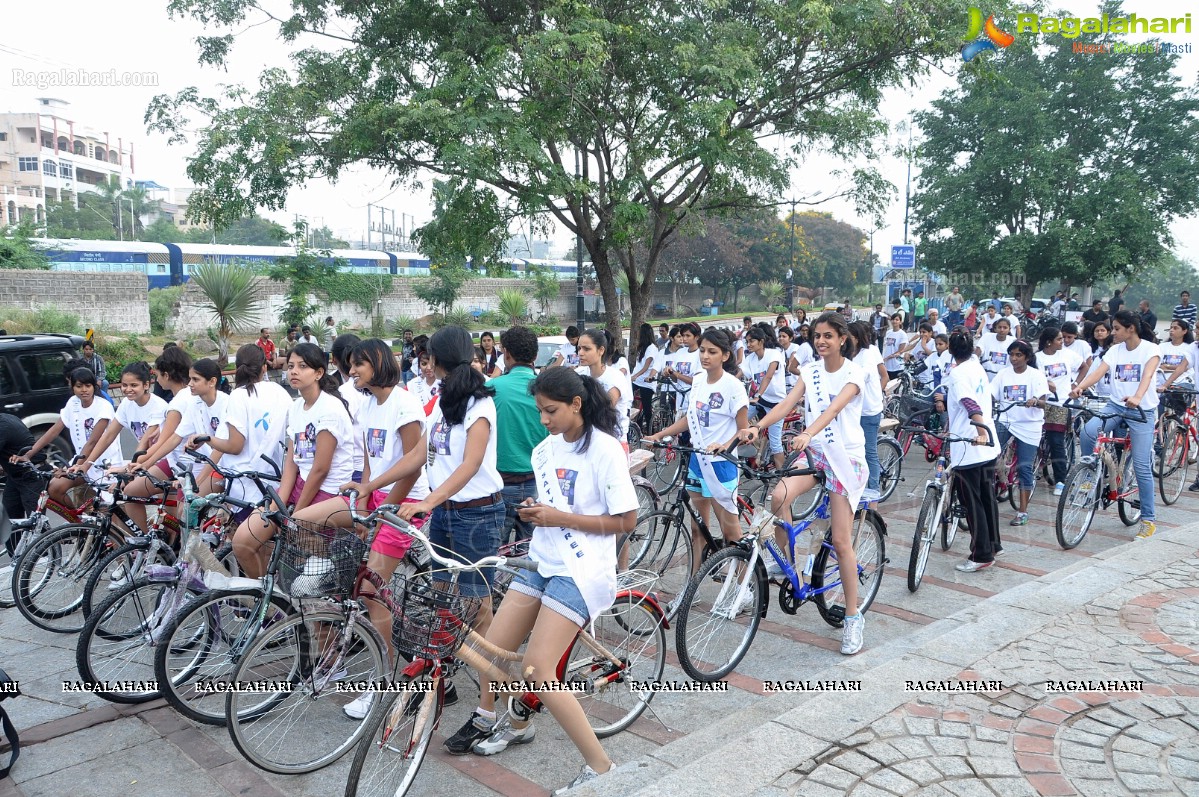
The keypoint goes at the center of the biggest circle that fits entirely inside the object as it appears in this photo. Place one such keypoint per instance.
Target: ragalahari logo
(993, 37)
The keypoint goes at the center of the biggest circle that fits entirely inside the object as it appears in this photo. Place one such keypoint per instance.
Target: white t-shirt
(593, 483)
(381, 424)
(806, 354)
(262, 421)
(1127, 367)
(939, 328)
(687, 363)
(570, 354)
(622, 365)
(423, 391)
(204, 419)
(327, 414)
(869, 359)
(650, 357)
(178, 403)
(1104, 386)
(994, 356)
(716, 407)
(940, 364)
(1010, 387)
(447, 446)
(1082, 349)
(140, 419)
(755, 368)
(1181, 356)
(355, 400)
(969, 380)
(788, 353)
(922, 352)
(1015, 322)
(81, 423)
(1060, 368)
(893, 342)
(847, 426)
(987, 321)
(614, 378)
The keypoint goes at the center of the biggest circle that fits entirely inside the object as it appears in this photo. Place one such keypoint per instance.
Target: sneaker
(672, 608)
(449, 695)
(970, 566)
(118, 582)
(1148, 527)
(360, 706)
(1194, 488)
(1021, 519)
(998, 553)
(473, 731)
(745, 603)
(587, 774)
(504, 735)
(851, 639)
(1059, 488)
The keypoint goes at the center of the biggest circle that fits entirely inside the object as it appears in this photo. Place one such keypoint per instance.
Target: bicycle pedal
(836, 613)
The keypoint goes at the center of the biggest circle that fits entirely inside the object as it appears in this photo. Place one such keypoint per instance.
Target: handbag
(8, 688)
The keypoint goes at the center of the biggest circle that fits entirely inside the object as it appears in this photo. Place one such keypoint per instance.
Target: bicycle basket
(318, 561)
(915, 405)
(433, 618)
(1176, 403)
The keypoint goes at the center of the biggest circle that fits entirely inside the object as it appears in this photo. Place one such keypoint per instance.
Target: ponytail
(1127, 318)
(452, 348)
(314, 358)
(565, 385)
(138, 370)
(248, 363)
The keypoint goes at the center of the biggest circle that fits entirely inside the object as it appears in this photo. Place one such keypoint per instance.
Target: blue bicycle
(710, 637)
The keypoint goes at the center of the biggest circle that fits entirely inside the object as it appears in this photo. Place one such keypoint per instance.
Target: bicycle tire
(665, 471)
(890, 467)
(48, 584)
(669, 554)
(128, 563)
(1174, 464)
(869, 546)
(805, 503)
(395, 739)
(634, 436)
(117, 641)
(1129, 514)
(196, 646)
(315, 730)
(634, 632)
(949, 522)
(717, 585)
(926, 530)
(11, 553)
(1077, 504)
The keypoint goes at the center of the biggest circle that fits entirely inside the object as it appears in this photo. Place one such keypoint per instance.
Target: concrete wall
(112, 301)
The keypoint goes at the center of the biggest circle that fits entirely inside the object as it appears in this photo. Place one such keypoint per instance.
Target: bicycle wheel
(297, 724)
(668, 553)
(48, 584)
(869, 547)
(708, 637)
(122, 566)
(665, 470)
(203, 643)
(1129, 503)
(1004, 471)
(1077, 504)
(634, 436)
(949, 521)
(395, 739)
(11, 553)
(116, 646)
(927, 526)
(803, 504)
(890, 467)
(1173, 464)
(634, 633)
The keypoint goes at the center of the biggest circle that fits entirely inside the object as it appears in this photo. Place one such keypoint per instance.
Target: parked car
(32, 386)
(547, 347)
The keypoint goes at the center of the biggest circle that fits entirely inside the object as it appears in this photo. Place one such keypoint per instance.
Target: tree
(545, 286)
(468, 226)
(835, 250)
(228, 290)
(1161, 284)
(252, 230)
(17, 249)
(672, 107)
(1037, 166)
(305, 273)
(323, 238)
(164, 231)
(442, 287)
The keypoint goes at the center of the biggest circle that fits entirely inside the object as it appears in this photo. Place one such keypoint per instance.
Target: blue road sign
(903, 256)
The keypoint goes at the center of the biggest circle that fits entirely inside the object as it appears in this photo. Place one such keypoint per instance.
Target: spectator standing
(1073, 306)
(1185, 311)
(953, 308)
(995, 301)
(1116, 302)
(921, 309)
(95, 362)
(905, 303)
(1096, 313)
(328, 335)
(407, 356)
(880, 322)
(516, 413)
(661, 342)
(1148, 316)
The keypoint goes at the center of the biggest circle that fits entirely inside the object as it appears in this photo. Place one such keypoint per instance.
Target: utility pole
(579, 308)
(907, 193)
(791, 259)
(369, 213)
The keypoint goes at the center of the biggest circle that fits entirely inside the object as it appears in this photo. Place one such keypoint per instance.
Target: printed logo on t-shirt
(305, 442)
(566, 483)
(999, 358)
(376, 440)
(683, 367)
(1173, 360)
(138, 428)
(213, 423)
(264, 422)
(1054, 370)
(715, 402)
(439, 438)
(1015, 393)
(1128, 372)
(88, 425)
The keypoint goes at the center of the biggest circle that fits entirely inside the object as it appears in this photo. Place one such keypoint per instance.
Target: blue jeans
(1025, 454)
(1141, 433)
(774, 432)
(470, 534)
(514, 495)
(870, 427)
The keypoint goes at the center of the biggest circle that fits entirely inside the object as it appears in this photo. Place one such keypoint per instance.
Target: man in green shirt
(518, 418)
(921, 309)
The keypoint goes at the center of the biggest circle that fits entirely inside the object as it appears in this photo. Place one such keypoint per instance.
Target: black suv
(32, 386)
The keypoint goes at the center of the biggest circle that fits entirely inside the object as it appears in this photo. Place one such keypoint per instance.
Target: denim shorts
(725, 471)
(557, 593)
(471, 534)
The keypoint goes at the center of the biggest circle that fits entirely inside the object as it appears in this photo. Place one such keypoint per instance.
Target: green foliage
(358, 289)
(442, 287)
(1162, 283)
(513, 305)
(43, 319)
(493, 318)
(545, 286)
(119, 351)
(834, 251)
(400, 323)
(467, 225)
(228, 290)
(17, 249)
(251, 230)
(461, 318)
(164, 231)
(304, 273)
(772, 292)
(545, 329)
(162, 304)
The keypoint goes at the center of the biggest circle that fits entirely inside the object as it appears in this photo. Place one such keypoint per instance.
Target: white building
(47, 156)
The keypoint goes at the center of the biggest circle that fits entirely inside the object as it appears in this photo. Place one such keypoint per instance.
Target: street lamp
(579, 310)
(791, 260)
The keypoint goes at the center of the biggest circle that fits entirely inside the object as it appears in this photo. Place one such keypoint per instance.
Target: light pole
(907, 192)
(579, 309)
(791, 259)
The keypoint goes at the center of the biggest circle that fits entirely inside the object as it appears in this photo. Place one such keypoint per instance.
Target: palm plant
(772, 292)
(228, 289)
(513, 305)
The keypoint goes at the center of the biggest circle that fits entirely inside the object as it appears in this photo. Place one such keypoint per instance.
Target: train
(171, 264)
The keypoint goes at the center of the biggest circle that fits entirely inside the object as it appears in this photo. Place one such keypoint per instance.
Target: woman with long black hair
(644, 373)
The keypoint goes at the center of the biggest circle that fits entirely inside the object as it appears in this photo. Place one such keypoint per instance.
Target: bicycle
(940, 510)
(665, 471)
(627, 649)
(1178, 422)
(1089, 485)
(26, 532)
(912, 419)
(1007, 477)
(734, 579)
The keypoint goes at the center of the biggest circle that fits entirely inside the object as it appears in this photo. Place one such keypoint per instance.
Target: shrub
(459, 317)
(162, 303)
(513, 305)
(400, 323)
(119, 351)
(42, 319)
(494, 318)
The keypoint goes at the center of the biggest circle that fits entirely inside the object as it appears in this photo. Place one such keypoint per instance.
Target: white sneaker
(746, 602)
(504, 736)
(360, 706)
(854, 631)
(1058, 488)
(117, 581)
(585, 775)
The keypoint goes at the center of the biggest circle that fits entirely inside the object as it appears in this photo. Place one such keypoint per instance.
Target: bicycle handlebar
(1074, 404)
(948, 438)
(753, 473)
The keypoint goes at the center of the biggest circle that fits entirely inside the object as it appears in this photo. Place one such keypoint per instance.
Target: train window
(43, 371)
(162, 269)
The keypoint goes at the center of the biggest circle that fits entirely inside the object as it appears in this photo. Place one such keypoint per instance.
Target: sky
(139, 36)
